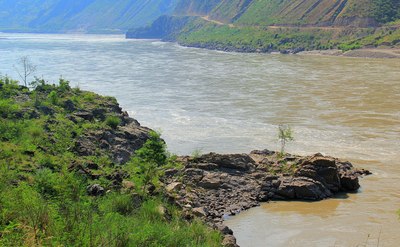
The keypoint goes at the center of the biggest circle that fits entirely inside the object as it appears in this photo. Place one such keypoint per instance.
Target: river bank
(113, 156)
(353, 116)
(360, 53)
(383, 53)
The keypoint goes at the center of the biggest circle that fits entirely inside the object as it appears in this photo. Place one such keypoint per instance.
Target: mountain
(268, 12)
(103, 16)
(281, 25)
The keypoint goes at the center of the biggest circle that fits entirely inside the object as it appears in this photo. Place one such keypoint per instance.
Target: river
(205, 101)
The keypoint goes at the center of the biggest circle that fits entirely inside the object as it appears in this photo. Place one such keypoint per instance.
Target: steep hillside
(267, 12)
(75, 170)
(196, 7)
(80, 16)
(281, 25)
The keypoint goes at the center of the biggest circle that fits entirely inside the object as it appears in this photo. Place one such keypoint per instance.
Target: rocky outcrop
(120, 142)
(213, 186)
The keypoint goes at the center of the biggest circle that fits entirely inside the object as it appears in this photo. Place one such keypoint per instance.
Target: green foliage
(153, 151)
(9, 87)
(64, 86)
(285, 135)
(196, 153)
(113, 121)
(53, 97)
(386, 10)
(8, 108)
(43, 182)
(147, 161)
(34, 216)
(349, 46)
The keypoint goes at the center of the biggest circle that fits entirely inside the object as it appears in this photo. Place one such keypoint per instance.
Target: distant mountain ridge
(87, 16)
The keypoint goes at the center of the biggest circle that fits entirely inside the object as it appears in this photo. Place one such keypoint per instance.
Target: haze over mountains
(230, 25)
(288, 26)
(106, 16)
(102, 16)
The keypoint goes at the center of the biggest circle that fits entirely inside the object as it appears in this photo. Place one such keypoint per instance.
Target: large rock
(95, 190)
(241, 162)
(229, 241)
(211, 181)
(321, 169)
(217, 185)
(302, 188)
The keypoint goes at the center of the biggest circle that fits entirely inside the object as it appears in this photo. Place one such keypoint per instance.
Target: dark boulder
(241, 162)
(95, 190)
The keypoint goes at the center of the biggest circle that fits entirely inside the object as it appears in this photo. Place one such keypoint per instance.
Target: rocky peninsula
(213, 186)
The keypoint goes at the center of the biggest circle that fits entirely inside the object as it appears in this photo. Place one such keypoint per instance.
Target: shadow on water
(323, 208)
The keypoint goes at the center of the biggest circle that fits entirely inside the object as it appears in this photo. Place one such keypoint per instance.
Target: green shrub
(53, 97)
(285, 135)
(8, 108)
(119, 203)
(148, 160)
(113, 121)
(46, 182)
(24, 207)
(10, 130)
(64, 86)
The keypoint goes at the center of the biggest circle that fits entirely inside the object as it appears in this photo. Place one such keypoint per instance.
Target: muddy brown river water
(229, 102)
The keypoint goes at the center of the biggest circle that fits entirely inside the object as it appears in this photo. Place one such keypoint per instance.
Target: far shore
(360, 53)
(383, 53)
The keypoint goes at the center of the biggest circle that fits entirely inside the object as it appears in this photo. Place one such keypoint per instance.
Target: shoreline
(380, 53)
(375, 53)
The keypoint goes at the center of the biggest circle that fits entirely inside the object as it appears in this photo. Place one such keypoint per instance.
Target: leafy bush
(148, 160)
(8, 108)
(386, 10)
(285, 135)
(53, 97)
(113, 121)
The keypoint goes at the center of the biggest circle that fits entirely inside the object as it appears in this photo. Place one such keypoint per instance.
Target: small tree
(285, 135)
(28, 68)
(149, 158)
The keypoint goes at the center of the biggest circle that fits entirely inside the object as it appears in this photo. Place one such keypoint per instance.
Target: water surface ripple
(231, 102)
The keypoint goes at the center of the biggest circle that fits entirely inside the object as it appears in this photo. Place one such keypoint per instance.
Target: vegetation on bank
(285, 26)
(385, 10)
(266, 39)
(51, 196)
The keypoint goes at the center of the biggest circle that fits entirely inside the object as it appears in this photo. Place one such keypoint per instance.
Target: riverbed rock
(229, 241)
